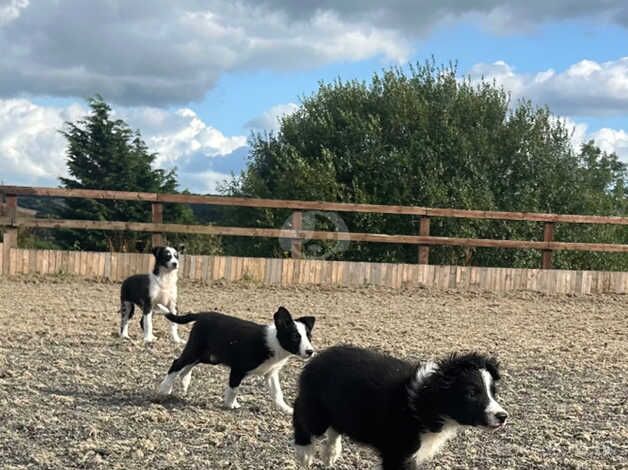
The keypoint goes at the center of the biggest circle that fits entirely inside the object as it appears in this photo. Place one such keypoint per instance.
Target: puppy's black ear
(492, 365)
(282, 318)
(181, 248)
(156, 250)
(308, 322)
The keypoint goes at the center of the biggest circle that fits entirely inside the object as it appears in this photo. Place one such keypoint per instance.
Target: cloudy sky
(197, 77)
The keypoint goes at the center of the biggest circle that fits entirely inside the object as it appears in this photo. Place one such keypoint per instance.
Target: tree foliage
(104, 153)
(424, 137)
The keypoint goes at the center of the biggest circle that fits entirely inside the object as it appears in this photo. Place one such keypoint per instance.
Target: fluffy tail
(182, 318)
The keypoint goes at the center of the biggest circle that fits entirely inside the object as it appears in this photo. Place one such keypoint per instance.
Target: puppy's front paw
(234, 405)
(150, 339)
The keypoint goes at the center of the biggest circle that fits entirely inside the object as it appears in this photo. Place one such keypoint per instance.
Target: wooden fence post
(424, 231)
(9, 239)
(296, 245)
(158, 218)
(548, 236)
(12, 208)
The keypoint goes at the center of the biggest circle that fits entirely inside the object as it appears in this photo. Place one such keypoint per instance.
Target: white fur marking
(231, 400)
(493, 407)
(432, 442)
(125, 330)
(305, 454)
(166, 386)
(148, 328)
(427, 369)
(162, 309)
(279, 355)
(305, 344)
(125, 310)
(186, 377)
(422, 373)
(272, 380)
(332, 448)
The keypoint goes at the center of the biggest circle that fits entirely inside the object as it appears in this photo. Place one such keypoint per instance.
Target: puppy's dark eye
(473, 392)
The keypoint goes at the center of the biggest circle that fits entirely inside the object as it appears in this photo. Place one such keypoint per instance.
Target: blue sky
(197, 78)
(237, 97)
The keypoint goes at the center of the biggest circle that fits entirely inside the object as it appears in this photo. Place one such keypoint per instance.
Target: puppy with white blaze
(147, 290)
(405, 411)
(245, 347)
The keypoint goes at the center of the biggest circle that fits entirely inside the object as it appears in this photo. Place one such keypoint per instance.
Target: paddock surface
(74, 395)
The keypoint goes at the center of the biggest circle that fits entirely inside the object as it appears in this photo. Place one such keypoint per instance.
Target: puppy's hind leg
(231, 400)
(303, 438)
(332, 448)
(126, 312)
(186, 377)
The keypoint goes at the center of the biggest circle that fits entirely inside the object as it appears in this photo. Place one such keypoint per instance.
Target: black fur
(135, 290)
(239, 344)
(375, 399)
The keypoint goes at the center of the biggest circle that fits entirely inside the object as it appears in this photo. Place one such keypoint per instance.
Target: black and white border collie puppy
(147, 290)
(406, 412)
(245, 347)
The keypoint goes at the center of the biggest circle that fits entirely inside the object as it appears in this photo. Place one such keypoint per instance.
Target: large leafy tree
(425, 137)
(104, 153)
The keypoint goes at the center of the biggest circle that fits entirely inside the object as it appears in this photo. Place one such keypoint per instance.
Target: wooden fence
(12, 257)
(294, 272)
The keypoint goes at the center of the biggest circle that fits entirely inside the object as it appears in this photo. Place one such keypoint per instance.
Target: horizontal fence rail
(308, 205)
(311, 235)
(295, 233)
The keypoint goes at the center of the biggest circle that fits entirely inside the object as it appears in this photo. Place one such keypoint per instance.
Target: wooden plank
(309, 205)
(12, 261)
(548, 236)
(30, 261)
(424, 231)
(289, 272)
(12, 208)
(157, 218)
(320, 235)
(296, 245)
(9, 241)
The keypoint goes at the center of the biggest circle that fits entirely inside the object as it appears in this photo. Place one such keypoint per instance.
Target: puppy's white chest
(268, 366)
(432, 442)
(162, 289)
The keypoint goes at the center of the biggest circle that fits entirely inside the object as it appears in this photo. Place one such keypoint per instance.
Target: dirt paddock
(74, 395)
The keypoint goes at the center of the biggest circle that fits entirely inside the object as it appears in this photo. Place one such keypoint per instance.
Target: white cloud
(609, 140)
(11, 10)
(178, 135)
(270, 119)
(170, 53)
(32, 151)
(31, 148)
(612, 140)
(206, 182)
(586, 88)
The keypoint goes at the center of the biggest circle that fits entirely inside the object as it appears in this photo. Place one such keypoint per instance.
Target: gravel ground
(74, 395)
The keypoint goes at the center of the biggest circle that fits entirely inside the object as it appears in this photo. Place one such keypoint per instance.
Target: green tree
(104, 153)
(424, 137)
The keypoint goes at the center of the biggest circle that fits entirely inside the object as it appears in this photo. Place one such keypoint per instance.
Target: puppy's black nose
(501, 416)
(309, 352)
